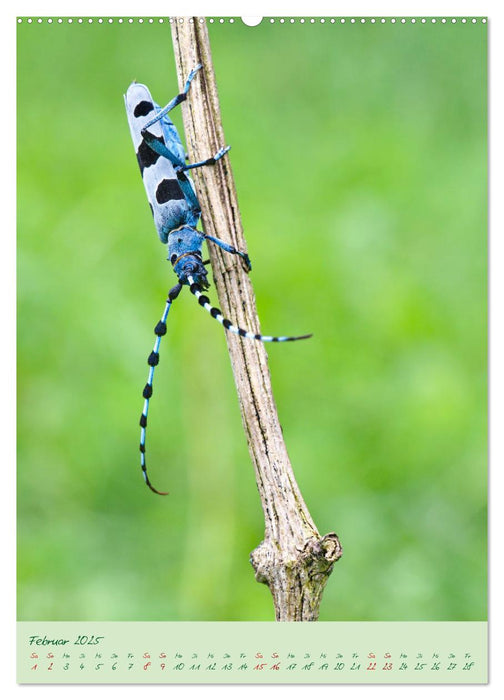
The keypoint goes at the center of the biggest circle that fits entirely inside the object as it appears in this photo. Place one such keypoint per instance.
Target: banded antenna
(152, 361)
(204, 301)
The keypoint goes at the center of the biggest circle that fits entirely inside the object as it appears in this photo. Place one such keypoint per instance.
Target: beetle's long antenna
(152, 361)
(204, 301)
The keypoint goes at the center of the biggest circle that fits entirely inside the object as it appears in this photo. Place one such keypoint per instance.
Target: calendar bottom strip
(252, 652)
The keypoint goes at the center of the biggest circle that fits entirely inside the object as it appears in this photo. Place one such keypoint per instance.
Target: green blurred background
(359, 153)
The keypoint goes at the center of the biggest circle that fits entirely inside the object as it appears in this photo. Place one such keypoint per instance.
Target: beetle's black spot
(173, 258)
(160, 328)
(145, 155)
(168, 190)
(143, 421)
(143, 108)
(153, 359)
(147, 392)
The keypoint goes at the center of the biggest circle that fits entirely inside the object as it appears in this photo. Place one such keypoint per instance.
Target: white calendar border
(258, 8)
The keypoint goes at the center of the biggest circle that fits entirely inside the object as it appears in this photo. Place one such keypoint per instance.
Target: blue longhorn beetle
(176, 211)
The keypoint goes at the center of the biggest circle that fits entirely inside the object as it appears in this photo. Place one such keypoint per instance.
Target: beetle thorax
(184, 250)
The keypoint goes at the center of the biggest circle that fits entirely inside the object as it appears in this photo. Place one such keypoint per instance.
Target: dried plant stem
(293, 559)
